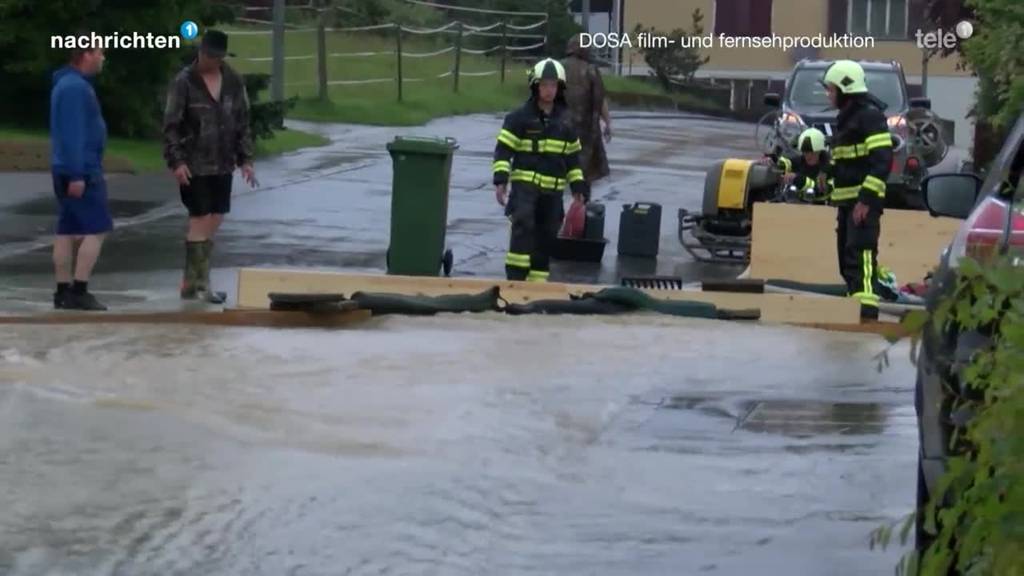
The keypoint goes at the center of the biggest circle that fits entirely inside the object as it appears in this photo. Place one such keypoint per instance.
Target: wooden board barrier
(798, 242)
(248, 318)
(255, 283)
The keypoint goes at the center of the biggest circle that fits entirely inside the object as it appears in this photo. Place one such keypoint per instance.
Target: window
(878, 18)
(1014, 179)
(743, 17)
(807, 95)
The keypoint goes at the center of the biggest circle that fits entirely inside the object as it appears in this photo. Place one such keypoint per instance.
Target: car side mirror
(952, 195)
(922, 102)
(772, 100)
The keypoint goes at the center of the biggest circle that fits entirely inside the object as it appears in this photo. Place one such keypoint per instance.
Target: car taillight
(985, 230)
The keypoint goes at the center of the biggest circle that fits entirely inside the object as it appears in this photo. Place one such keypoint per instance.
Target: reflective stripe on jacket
(539, 149)
(861, 154)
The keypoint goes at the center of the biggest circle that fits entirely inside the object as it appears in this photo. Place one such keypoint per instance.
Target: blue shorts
(86, 215)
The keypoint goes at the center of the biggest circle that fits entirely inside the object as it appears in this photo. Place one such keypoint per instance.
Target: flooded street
(329, 208)
(450, 445)
(475, 445)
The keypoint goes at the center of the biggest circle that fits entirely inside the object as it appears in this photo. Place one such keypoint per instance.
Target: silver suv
(917, 136)
(994, 213)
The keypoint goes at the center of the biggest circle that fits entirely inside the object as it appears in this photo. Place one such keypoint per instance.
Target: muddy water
(483, 445)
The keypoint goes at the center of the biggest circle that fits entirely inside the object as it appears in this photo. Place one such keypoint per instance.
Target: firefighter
(538, 152)
(861, 161)
(802, 170)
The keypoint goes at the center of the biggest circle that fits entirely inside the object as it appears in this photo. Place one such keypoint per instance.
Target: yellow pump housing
(732, 190)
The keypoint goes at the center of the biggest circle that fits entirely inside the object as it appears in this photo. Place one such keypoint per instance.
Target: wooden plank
(256, 318)
(776, 308)
(254, 285)
(884, 329)
(797, 242)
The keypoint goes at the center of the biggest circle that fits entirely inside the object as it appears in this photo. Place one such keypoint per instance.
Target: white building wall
(952, 98)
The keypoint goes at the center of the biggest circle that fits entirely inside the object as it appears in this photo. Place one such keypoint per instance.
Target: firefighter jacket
(539, 149)
(861, 154)
(806, 174)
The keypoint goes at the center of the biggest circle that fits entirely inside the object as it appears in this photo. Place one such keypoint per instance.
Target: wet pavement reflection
(448, 445)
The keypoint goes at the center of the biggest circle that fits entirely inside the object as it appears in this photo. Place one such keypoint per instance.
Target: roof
(866, 64)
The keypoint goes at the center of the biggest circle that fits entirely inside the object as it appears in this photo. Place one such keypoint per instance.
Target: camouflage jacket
(209, 136)
(584, 92)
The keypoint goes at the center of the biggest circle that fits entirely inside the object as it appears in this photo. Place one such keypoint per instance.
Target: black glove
(583, 189)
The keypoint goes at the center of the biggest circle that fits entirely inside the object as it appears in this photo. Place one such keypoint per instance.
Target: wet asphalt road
(451, 445)
(329, 207)
(448, 445)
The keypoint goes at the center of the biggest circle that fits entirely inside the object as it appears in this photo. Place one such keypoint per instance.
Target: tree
(946, 14)
(559, 29)
(996, 54)
(133, 82)
(264, 117)
(675, 60)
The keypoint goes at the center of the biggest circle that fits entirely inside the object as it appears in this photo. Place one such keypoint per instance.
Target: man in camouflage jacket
(206, 136)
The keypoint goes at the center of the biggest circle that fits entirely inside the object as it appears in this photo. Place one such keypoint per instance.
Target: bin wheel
(447, 261)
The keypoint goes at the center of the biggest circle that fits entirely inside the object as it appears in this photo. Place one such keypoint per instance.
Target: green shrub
(264, 117)
(976, 515)
(996, 54)
(133, 83)
(674, 61)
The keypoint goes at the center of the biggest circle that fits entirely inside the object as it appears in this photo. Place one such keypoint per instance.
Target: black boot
(79, 298)
(868, 312)
(61, 295)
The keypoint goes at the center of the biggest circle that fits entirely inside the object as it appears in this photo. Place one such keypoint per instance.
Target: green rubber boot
(203, 274)
(191, 280)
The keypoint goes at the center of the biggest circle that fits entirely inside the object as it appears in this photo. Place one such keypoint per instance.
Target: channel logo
(944, 39)
(189, 30)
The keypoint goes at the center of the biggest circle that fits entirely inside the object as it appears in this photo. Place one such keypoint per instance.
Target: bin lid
(422, 145)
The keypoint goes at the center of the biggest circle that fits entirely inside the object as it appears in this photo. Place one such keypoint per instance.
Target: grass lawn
(288, 141)
(425, 96)
(29, 150)
(636, 85)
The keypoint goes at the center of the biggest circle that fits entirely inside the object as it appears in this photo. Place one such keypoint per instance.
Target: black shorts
(205, 195)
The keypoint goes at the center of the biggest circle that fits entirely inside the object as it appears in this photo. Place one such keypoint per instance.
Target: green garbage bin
(419, 206)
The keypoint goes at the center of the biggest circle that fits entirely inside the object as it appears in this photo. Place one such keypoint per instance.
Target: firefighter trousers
(857, 248)
(536, 216)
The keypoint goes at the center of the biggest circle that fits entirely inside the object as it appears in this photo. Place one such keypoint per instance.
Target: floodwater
(451, 445)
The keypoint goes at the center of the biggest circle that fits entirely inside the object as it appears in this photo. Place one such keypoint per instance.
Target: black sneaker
(83, 301)
(60, 300)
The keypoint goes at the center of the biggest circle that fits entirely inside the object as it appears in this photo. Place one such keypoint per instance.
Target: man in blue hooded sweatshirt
(78, 136)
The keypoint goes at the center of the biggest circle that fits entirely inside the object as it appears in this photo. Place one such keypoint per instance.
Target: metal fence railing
(511, 42)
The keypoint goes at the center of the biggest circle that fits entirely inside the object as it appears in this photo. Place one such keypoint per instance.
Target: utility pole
(277, 84)
(586, 15)
(616, 27)
(925, 57)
